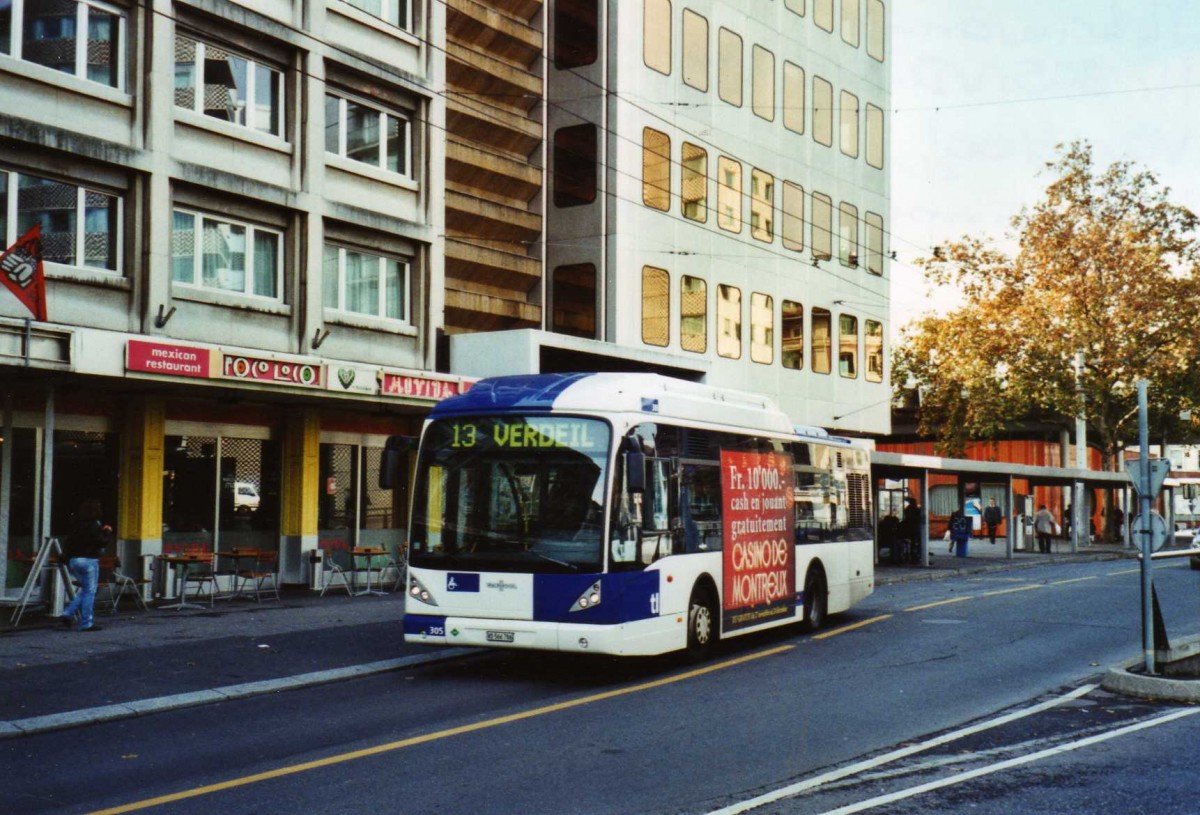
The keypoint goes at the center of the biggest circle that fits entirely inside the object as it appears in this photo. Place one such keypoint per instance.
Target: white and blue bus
(628, 514)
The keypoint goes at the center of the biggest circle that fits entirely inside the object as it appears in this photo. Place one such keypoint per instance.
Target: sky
(984, 90)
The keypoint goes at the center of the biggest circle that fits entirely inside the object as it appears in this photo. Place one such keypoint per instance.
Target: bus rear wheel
(816, 601)
(703, 624)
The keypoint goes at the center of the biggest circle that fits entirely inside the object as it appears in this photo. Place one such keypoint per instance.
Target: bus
(628, 514)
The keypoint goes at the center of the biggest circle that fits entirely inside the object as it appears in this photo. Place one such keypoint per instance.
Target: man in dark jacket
(991, 518)
(82, 553)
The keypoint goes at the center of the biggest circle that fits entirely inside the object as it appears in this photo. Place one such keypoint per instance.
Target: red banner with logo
(21, 271)
(760, 546)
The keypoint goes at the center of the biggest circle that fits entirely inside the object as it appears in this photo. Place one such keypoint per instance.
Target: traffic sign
(1158, 530)
(1159, 467)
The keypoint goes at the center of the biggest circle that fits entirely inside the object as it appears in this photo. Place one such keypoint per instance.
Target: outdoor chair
(396, 560)
(120, 584)
(338, 564)
(263, 578)
(202, 575)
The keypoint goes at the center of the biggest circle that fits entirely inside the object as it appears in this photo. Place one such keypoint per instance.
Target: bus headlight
(418, 592)
(589, 599)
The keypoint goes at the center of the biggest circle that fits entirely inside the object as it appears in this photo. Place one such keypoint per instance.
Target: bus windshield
(511, 493)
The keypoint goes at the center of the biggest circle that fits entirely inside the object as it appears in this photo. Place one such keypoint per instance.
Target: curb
(1162, 689)
(141, 707)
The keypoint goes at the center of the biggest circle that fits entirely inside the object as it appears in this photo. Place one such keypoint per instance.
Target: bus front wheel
(703, 623)
(816, 600)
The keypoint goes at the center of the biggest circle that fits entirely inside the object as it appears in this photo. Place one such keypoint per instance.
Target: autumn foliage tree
(1106, 265)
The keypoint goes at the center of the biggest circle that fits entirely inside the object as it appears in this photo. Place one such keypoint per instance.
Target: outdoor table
(237, 556)
(370, 553)
(182, 565)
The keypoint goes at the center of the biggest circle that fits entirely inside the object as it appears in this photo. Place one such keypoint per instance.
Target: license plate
(500, 636)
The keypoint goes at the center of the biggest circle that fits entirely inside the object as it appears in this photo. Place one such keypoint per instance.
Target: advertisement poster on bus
(759, 551)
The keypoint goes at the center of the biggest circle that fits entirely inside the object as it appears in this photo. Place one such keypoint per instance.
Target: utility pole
(1079, 515)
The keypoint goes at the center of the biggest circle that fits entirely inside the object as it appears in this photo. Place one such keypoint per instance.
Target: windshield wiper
(554, 560)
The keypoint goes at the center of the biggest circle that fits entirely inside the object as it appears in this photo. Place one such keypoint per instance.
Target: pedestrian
(910, 529)
(1043, 525)
(991, 518)
(89, 536)
(960, 533)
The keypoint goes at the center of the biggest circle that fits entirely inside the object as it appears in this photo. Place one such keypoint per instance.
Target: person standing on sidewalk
(1043, 525)
(89, 535)
(991, 518)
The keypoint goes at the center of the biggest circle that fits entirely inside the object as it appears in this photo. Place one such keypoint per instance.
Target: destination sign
(585, 435)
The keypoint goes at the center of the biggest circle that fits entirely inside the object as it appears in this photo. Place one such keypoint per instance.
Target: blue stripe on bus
(624, 597)
(426, 624)
(533, 392)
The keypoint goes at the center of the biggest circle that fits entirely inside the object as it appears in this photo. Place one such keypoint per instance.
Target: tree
(1106, 265)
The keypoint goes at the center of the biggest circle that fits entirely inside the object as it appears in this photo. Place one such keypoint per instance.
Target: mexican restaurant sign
(169, 359)
(420, 387)
(760, 547)
(272, 371)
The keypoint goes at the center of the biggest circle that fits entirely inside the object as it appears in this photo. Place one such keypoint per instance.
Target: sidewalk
(145, 661)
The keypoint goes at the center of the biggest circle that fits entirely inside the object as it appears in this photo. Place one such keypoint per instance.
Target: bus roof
(651, 394)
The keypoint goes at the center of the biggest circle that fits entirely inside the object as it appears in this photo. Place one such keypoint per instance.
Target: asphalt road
(517, 732)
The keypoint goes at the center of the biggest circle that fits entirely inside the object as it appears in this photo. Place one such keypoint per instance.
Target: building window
(873, 350)
(762, 206)
(848, 346)
(875, 29)
(822, 226)
(390, 11)
(795, 6)
(823, 14)
(363, 283)
(693, 187)
(367, 134)
(849, 124)
(216, 253)
(656, 35)
(729, 67)
(850, 21)
(656, 169)
(822, 112)
(576, 26)
(848, 234)
(575, 165)
(762, 328)
(227, 86)
(656, 306)
(793, 97)
(729, 194)
(695, 50)
(729, 321)
(693, 314)
(822, 345)
(792, 351)
(874, 136)
(874, 224)
(82, 39)
(79, 226)
(793, 217)
(573, 295)
(762, 91)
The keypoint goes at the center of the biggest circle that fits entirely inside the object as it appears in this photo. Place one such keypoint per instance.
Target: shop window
(215, 253)
(575, 165)
(729, 321)
(729, 194)
(82, 39)
(656, 169)
(364, 283)
(822, 226)
(850, 16)
(80, 227)
(875, 29)
(823, 14)
(395, 12)
(351, 508)
(762, 78)
(573, 298)
(693, 314)
(367, 134)
(873, 351)
(729, 67)
(24, 446)
(656, 35)
(762, 206)
(792, 339)
(794, 6)
(656, 306)
(576, 23)
(848, 234)
(693, 189)
(223, 85)
(822, 340)
(695, 50)
(793, 216)
(848, 346)
(848, 119)
(762, 328)
(793, 97)
(874, 136)
(822, 117)
(874, 228)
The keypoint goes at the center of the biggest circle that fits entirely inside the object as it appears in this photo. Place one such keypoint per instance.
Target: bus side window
(657, 509)
(700, 507)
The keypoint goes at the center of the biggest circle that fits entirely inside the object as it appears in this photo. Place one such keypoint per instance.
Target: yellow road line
(1126, 571)
(367, 752)
(1073, 580)
(940, 603)
(850, 627)
(1030, 587)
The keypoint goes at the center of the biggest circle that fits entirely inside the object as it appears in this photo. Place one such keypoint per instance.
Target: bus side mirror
(635, 467)
(395, 453)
